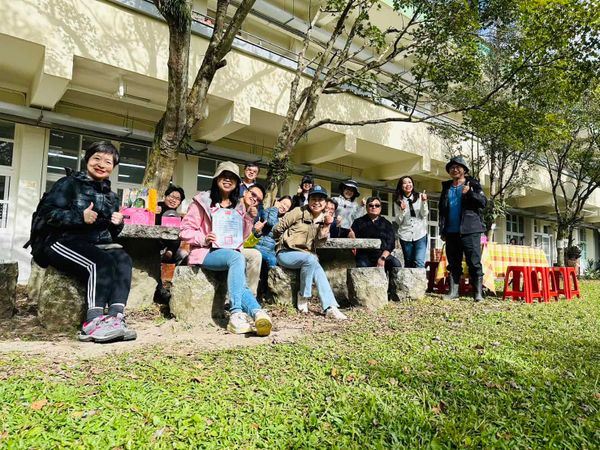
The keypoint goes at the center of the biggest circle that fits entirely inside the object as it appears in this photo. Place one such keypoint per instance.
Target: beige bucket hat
(228, 166)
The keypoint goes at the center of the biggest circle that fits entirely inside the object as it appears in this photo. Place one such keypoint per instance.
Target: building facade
(72, 72)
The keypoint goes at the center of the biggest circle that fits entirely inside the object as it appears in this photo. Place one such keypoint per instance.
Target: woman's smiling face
(100, 166)
(227, 182)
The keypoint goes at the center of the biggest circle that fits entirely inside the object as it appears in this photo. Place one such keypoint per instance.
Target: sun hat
(228, 166)
(350, 184)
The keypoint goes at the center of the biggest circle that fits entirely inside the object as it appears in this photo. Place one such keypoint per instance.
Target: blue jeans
(414, 252)
(234, 262)
(268, 255)
(310, 271)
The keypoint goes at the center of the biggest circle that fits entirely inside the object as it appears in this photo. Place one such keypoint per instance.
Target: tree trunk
(561, 234)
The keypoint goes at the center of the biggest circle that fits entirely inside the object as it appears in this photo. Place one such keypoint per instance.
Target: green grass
(429, 374)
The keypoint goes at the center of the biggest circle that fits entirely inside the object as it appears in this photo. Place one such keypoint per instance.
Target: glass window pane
(204, 183)
(6, 153)
(206, 166)
(4, 185)
(49, 185)
(63, 151)
(133, 163)
(7, 130)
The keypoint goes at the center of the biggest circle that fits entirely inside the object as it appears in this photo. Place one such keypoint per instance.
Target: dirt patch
(24, 334)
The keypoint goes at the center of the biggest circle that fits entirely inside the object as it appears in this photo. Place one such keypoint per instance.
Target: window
(515, 228)
(132, 164)
(4, 191)
(206, 170)
(385, 202)
(434, 239)
(66, 150)
(7, 142)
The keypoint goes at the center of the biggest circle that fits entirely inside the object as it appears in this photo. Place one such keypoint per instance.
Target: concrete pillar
(186, 176)
(30, 156)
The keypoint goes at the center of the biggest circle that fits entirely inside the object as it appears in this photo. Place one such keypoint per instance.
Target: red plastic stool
(531, 289)
(550, 285)
(570, 285)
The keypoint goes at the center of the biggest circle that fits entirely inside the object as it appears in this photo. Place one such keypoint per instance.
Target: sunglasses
(374, 205)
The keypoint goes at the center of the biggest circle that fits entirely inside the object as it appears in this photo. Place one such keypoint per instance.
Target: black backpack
(39, 231)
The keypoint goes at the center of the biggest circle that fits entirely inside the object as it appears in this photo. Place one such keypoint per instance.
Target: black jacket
(365, 228)
(472, 205)
(297, 201)
(63, 207)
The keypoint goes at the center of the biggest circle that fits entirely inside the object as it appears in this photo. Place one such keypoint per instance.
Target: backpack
(39, 231)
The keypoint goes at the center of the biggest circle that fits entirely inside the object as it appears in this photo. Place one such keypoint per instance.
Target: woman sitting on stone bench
(81, 219)
(298, 233)
(197, 230)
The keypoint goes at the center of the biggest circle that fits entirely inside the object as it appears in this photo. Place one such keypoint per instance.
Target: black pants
(468, 244)
(107, 272)
(363, 260)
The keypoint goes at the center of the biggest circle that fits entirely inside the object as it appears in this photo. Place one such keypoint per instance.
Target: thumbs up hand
(423, 196)
(466, 187)
(258, 226)
(89, 215)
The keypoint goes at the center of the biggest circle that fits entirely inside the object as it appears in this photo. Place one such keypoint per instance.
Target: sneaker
(334, 313)
(239, 324)
(130, 335)
(263, 323)
(302, 303)
(101, 329)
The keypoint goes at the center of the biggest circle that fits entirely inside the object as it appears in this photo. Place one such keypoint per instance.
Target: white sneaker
(239, 323)
(302, 303)
(263, 323)
(334, 313)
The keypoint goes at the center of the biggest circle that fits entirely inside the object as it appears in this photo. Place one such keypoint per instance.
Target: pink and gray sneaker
(102, 329)
(130, 334)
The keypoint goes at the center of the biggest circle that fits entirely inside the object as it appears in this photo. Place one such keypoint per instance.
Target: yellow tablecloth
(495, 258)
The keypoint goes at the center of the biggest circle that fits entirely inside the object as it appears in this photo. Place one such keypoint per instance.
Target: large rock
(335, 263)
(284, 285)
(408, 284)
(197, 295)
(60, 299)
(145, 254)
(368, 287)
(9, 272)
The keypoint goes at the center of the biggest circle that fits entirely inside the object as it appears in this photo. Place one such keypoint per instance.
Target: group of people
(81, 219)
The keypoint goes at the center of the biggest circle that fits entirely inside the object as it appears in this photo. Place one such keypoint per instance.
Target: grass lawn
(429, 374)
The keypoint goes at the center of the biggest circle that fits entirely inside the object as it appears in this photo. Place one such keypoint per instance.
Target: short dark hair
(260, 187)
(172, 188)
(331, 200)
(285, 197)
(251, 164)
(374, 197)
(102, 147)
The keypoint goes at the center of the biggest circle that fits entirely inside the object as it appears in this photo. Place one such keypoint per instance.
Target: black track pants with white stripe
(107, 273)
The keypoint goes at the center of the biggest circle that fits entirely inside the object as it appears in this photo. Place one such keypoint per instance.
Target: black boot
(452, 291)
(477, 289)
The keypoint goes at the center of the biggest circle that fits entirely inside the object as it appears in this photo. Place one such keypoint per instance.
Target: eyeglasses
(255, 196)
(456, 167)
(374, 205)
(174, 197)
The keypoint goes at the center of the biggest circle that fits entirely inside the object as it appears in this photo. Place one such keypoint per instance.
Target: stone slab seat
(408, 284)
(198, 295)
(335, 256)
(368, 287)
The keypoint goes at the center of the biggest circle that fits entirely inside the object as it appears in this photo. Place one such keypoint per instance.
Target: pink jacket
(197, 223)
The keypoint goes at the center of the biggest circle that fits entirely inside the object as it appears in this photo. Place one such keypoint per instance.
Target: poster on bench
(228, 226)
